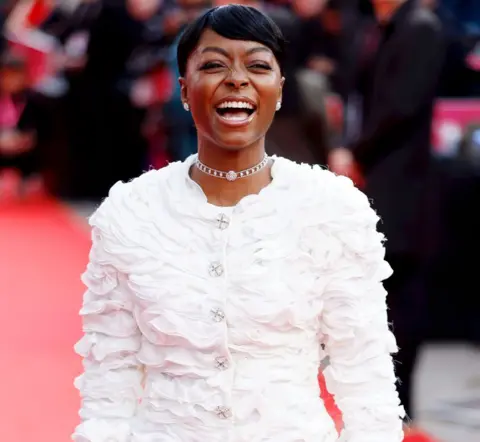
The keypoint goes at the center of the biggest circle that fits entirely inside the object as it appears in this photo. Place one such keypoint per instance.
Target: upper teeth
(235, 105)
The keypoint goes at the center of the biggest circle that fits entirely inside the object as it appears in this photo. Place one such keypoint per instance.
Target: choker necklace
(232, 175)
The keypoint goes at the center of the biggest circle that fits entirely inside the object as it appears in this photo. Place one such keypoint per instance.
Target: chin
(233, 140)
(234, 144)
(236, 135)
(236, 141)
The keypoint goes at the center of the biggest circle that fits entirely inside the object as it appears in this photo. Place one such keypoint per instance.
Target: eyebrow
(223, 52)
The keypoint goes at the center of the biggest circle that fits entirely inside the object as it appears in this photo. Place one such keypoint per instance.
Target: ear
(183, 89)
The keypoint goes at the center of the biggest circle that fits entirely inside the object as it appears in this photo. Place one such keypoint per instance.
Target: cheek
(200, 91)
(269, 93)
(200, 95)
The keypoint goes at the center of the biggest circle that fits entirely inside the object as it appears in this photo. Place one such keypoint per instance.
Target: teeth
(235, 105)
(235, 117)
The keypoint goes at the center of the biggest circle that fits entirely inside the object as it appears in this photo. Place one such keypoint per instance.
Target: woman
(214, 284)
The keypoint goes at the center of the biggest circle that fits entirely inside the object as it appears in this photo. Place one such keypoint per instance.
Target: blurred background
(89, 96)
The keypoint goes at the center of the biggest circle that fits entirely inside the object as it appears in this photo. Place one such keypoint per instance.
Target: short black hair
(235, 22)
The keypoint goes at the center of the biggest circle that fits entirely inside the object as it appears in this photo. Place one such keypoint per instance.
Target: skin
(220, 68)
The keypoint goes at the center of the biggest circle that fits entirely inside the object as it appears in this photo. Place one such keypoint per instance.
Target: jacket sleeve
(111, 384)
(356, 334)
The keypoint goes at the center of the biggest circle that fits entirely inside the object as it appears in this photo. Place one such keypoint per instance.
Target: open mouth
(235, 110)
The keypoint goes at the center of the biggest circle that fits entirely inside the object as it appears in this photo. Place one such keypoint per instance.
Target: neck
(225, 193)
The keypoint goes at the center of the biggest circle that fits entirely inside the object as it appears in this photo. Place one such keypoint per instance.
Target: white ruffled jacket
(205, 324)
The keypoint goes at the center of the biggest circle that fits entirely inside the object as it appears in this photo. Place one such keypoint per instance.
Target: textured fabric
(202, 327)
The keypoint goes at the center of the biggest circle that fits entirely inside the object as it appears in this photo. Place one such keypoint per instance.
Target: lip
(235, 123)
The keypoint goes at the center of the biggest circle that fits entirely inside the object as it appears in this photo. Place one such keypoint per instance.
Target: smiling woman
(215, 285)
(230, 62)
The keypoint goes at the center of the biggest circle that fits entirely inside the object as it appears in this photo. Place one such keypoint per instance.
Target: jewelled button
(221, 363)
(218, 315)
(215, 269)
(223, 412)
(223, 221)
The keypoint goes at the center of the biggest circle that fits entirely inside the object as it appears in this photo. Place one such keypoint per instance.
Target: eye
(261, 66)
(209, 65)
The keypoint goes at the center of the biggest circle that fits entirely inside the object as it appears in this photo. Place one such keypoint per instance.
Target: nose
(236, 79)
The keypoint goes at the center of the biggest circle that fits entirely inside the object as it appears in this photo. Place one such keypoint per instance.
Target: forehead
(210, 39)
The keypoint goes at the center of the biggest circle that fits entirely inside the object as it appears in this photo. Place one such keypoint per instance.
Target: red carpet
(412, 436)
(43, 250)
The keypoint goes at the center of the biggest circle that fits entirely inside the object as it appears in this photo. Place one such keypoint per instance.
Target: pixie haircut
(234, 22)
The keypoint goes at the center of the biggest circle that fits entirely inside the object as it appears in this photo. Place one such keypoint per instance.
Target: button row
(221, 362)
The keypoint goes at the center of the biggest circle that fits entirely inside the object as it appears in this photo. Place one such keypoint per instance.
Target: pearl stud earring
(186, 106)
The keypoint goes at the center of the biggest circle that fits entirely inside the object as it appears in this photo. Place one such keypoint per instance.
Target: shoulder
(333, 210)
(325, 191)
(342, 186)
(338, 220)
(127, 201)
(424, 22)
(342, 226)
(345, 206)
(124, 226)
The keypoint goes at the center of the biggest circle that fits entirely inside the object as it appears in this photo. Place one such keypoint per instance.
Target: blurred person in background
(181, 133)
(125, 40)
(27, 14)
(215, 284)
(461, 20)
(5, 10)
(317, 46)
(19, 122)
(23, 31)
(392, 151)
(288, 135)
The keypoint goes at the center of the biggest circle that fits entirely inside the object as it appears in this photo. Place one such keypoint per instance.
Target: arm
(411, 84)
(356, 334)
(17, 18)
(111, 384)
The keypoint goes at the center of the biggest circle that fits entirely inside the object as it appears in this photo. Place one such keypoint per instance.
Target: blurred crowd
(92, 84)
